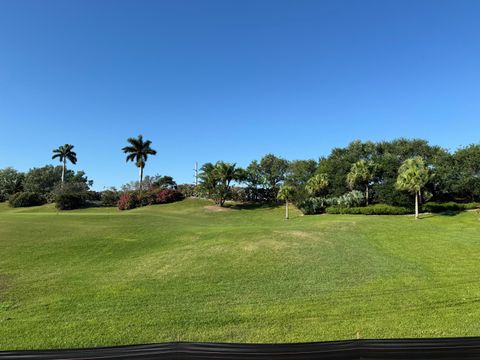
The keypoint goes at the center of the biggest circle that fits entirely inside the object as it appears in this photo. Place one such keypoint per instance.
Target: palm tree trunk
(416, 205)
(286, 209)
(141, 176)
(63, 170)
(366, 195)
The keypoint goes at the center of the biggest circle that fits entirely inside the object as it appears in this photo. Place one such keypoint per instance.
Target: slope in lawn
(184, 272)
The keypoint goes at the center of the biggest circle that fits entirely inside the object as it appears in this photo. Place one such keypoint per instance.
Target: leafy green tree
(286, 193)
(467, 173)
(413, 175)
(273, 170)
(64, 153)
(362, 173)
(316, 184)
(387, 157)
(11, 182)
(253, 179)
(46, 179)
(298, 174)
(138, 152)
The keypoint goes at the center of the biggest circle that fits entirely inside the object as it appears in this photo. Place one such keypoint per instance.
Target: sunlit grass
(185, 272)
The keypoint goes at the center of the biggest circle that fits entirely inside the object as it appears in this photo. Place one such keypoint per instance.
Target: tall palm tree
(285, 192)
(362, 173)
(64, 153)
(316, 184)
(138, 151)
(413, 175)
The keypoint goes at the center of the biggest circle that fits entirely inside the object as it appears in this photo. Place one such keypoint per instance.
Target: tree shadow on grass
(251, 206)
(444, 213)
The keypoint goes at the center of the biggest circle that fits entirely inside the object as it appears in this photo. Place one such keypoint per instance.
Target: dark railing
(441, 348)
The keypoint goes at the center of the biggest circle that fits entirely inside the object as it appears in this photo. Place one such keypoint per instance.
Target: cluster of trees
(398, 173)
(69, 189)
(45, 181)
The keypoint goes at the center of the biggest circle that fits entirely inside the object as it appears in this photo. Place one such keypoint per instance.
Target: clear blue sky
(231, 80)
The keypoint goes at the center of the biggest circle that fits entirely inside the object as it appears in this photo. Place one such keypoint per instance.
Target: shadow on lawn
(444, 213)
(251, 206)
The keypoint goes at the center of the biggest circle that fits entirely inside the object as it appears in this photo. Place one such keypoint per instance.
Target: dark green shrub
(472, 206)
(145, 197)
(451, 206)
(377, 209)
(25, 199)
(94, 196)
(312, 206)
(11, 182)
(69, 200)
(109, 198)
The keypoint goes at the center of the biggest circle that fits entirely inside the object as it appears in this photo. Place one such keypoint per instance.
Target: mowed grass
(184, 272)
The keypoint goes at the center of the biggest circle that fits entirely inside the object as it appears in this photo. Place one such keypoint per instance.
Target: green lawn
(183, 272)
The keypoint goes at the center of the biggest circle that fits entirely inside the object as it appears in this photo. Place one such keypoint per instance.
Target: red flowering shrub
(166, 196)
(128, 201)
(132, 199)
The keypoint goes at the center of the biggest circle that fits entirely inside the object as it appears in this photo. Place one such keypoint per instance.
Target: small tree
(216, 180)
(413, 175)
(138, 151)
(285, 193)
(316, 184)
(64, 153)
(361, 172)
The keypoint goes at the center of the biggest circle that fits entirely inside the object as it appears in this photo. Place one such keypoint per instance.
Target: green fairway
(188, 272)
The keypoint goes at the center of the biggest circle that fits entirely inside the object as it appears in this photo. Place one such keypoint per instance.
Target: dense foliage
(109, 197)
(132, 199)
(401, 172)
(377, 209)
(69, 200)
(11, 182)
(128, 200)
(317, 205)
(46, 179)
(25, 199)
(450, 206)
(216, 180)
(369, 167)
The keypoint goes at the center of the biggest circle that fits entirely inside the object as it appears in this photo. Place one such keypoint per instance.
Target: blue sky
(231, 80)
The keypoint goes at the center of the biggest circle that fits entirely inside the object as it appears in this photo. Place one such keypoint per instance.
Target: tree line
(398, 172)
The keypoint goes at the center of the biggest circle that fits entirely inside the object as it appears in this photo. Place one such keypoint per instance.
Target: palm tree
(64, 153)
(226, 173)
(412, 177)
(316, 184)
(138, 151)
(285, 193)
(361, 172)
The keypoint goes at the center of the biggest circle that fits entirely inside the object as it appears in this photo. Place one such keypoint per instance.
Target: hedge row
(377, 209)
(133, 199)
(451, 206)
(25, 199)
